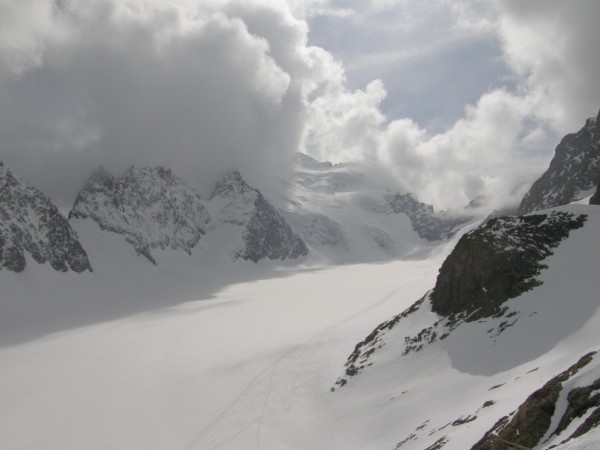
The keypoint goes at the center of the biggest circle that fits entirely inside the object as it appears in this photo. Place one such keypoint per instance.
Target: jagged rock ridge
(574, 170)
(425, 221)
(151, 207)
(30, 223)
(267, 235)
(527, 426)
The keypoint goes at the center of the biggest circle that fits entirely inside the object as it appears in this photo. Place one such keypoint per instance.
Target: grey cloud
(552, 45)
(120, 83)
(493, 87)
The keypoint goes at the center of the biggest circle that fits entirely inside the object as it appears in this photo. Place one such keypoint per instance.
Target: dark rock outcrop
(31, 223)
(267, 235)
(498, 261)
(595, 199)
(575, 169)
(530, 423)
(428, 224)
(150, 207)
(360, 357)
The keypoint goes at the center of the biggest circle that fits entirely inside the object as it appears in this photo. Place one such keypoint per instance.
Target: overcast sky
(455, 99)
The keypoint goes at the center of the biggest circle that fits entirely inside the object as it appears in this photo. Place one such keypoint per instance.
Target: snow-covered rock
(429, 225)
(565, 409)
(497, 261)
(265, 233)
(489, 357)
(150, 207)
(574, 171)
(31, 223)
(348, 213)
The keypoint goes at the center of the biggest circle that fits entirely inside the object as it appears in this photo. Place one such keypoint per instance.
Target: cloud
(454, 99)
(199, 88)
(552, 47)
(344, 125)
(506, 134)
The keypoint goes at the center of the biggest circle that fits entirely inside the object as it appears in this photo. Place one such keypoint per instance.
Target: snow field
(243, 365)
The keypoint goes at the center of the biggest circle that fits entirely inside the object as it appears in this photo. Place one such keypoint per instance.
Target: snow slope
(346, 215)
(452, 391)
(202, 352)
(241, 355)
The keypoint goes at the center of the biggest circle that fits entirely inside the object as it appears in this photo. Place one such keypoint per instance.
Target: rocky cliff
(490, 265)
(428, 224)
(31, 224)
(498, 261)
(266, 234)
(573, 172)
(150, 207)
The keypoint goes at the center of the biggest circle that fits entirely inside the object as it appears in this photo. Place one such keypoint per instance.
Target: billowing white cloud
(200, 88)
(506, 137)
(552, 47)
(346, 125)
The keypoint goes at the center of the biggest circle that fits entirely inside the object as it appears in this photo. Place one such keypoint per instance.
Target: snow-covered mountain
(265, 233)
(574, 171)
(151, 207)
(425, 221)
(347, 215)
(154, 210)
(206, 349)
(30, 224)
(511, 314)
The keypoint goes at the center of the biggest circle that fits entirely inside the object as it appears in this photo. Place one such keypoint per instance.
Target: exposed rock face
(30, 223)
(360, 357)
(150, 207)
(498, 261)
(425, 221)
(575, 169)
(531, 422)
(267, 235)
(490, 265)
(595, 199)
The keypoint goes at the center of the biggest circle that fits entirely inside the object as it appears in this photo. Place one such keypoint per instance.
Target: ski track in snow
(273, 382)
(249, 365)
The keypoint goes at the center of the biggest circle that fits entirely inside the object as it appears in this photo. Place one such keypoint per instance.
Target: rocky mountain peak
(428, 224)
(573, 171)
(150, 206)
(31, 223)
(232, 185)
(266, 234)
